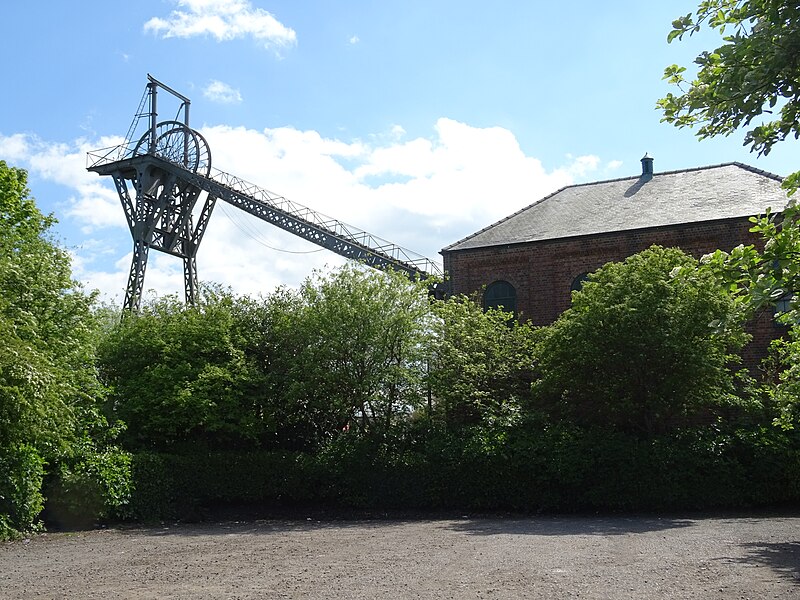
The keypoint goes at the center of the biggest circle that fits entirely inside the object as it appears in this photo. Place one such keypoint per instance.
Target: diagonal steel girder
(327, 234)
(160, 217)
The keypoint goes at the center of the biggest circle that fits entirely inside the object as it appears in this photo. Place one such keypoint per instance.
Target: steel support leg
(133, 294)
(190, 279)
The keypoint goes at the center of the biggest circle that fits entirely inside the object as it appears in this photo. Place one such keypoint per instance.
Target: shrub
(187, 486)
(480, 363)
(527, 468)
(92, 486)
(49, 393)
(21, 498)
(637, 351)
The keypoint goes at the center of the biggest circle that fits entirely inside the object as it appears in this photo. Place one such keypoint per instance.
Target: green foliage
(783, 384)
(635, 351)
(45, 324)
(21, 498)
(754, 73)
(190, 486)
(480, 364)
(359, 346)
(343, 369)
(762, 279)
(528, 467)
(49, 394)
(92, 487)
(292, 370)
(344, 351)
(179, 374)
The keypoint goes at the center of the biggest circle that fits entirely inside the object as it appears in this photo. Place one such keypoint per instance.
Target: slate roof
(671, 198)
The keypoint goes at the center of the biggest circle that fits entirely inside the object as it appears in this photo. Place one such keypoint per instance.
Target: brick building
(531, 260)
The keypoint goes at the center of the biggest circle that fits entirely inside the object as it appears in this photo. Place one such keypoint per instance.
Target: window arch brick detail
(500, 294)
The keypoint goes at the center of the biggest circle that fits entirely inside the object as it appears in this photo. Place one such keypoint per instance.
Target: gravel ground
(755, 557)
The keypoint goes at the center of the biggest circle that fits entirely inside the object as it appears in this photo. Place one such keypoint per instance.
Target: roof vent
(647, 166)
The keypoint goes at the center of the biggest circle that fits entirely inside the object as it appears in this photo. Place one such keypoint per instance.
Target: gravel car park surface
(755, 557)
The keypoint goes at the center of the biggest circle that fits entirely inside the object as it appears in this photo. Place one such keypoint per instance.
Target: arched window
(577, 283)
(782, 305)
(500, 294)
(785, 302)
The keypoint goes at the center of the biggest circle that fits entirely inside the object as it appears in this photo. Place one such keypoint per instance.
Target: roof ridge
(605, 181)
(732, 163)
(521, 210)
(758, 171)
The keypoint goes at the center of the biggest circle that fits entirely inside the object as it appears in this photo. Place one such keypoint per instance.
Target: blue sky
(418, 121)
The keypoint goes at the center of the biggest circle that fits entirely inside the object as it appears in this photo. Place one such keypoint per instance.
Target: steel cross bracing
(160, 216)
(159, 213)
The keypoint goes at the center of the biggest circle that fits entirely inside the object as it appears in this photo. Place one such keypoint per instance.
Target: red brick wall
(542, 272)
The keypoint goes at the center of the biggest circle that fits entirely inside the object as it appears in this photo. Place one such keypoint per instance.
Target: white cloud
(224, 20)
(422, 193)
(613, 165)
(462, 174)
(217, 91)
(94, 204)
(95, 264)
(14, 147)
(397, 131)
(354, 40)
(581, 166)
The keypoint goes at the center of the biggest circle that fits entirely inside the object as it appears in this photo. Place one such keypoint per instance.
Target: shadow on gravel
(290, 521)
(783, 558)
(470, 525)
(571, 525)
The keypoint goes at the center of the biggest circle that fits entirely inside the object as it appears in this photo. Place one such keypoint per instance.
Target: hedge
(555, 469)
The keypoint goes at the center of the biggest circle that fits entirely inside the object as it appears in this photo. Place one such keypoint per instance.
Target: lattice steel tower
(168, 192)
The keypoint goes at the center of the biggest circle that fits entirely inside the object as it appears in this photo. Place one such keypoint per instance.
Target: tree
(783, 385)
(762, 278)
(292, 370)
(353, 353)
(178, 374)
(51, 425)
(755, 72)
(635, 351)
(481, 363)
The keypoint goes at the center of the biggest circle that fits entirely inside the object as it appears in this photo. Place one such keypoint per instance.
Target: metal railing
(104, 156)
(349, 233)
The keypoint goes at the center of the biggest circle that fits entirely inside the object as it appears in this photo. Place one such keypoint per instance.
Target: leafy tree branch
(754, 73)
